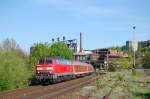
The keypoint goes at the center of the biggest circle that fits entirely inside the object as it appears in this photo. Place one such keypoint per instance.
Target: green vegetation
(119, 85)
(60, 49)
(120, 63)
(146, 60)
(135, 72)
(123, 62)
(143, 57)
(120, 76)
(14, 71)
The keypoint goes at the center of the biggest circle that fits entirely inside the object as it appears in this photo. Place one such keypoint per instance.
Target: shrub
(120, 77)
(13, 71)
(135, 72)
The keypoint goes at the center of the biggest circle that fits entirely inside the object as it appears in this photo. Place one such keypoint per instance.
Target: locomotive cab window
(41, 61)
(45, 61)
(48, 61)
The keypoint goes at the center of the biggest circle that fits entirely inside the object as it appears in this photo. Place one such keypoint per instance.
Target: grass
(125, 86)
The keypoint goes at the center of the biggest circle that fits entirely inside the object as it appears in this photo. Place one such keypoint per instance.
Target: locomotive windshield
(41, 61)
(45, 61)
(48, 61)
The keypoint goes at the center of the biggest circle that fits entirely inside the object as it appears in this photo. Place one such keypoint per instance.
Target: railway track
(47, 92)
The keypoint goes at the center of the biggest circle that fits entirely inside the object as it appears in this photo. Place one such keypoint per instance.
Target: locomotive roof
(73, 61)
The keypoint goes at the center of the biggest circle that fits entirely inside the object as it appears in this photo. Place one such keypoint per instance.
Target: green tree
(11, 45)
(40, 49)
(142, 57)
(37, 51)
(146, 60)
(14, 71)
(121, 62)
(60, 49)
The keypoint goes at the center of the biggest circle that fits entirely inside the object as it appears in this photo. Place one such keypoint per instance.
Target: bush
(120, 77)
(112, 67)
(135, 72)
(13, 71)
(120, 63)
(146, 60)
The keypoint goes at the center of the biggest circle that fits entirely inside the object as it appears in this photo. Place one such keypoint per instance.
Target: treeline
(17, 68)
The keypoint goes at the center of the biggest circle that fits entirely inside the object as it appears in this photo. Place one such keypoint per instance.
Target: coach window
(69, 62)
(61, 61)
(64, 61)
(58, 61)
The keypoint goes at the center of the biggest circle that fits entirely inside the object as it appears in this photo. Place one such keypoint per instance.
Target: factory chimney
(53, 40)
(64, 38)
(81, 49)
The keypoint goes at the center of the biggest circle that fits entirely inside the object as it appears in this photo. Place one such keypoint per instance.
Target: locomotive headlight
(49, 68)
(39, 68)
(45, 68)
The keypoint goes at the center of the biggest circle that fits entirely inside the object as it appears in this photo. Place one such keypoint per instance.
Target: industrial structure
(100, 57)
(97, 57)
(143, 44)
(82, 55)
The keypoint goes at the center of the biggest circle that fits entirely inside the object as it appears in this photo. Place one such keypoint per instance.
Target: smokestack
(81, 49)
(64, 38)
(53, 40)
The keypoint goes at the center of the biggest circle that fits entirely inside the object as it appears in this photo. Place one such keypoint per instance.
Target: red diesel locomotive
(52, 70)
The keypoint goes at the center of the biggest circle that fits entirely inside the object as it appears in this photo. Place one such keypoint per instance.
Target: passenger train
(53, 70)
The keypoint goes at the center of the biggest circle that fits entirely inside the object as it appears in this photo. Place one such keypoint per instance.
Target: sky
(104, 23)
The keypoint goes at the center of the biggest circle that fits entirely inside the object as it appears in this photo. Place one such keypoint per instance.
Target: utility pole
(134, 46)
